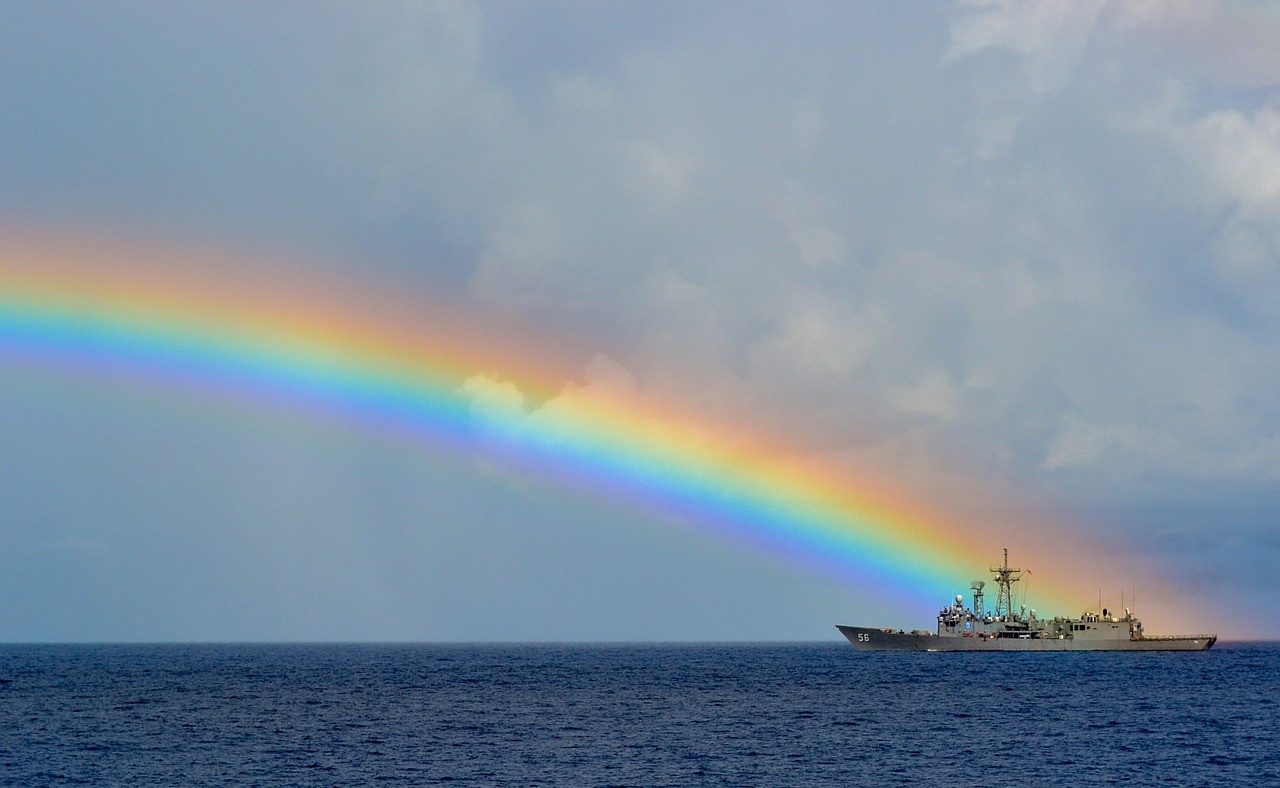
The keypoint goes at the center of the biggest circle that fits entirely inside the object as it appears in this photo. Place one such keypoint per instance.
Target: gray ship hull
(1010, 628)
(868, 639)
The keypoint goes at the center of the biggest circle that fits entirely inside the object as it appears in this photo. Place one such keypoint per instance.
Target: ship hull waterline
(869, 639)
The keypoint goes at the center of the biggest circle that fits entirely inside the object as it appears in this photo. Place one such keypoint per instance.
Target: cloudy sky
(1001, 251)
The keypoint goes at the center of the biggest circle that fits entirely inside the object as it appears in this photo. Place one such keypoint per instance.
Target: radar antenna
(1005, 578)
(978, 610)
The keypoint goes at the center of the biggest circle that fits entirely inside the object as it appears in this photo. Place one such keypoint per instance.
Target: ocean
(633, 715)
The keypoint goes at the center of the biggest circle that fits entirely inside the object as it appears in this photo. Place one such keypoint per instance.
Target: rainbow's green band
(795, 507)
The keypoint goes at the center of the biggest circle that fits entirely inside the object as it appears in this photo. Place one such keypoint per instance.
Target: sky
(1018, 261)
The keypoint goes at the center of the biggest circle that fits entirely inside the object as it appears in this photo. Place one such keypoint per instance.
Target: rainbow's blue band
(619, 449)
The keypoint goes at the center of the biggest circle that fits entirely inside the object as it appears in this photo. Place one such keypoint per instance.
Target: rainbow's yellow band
(151, 321)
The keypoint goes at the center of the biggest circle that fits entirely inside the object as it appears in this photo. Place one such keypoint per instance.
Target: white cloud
(1081, 444)
(493, 400)
(1222, 44)
(934, 396)
(430, 110)
(659, 178)
(500, 404)
(1006, 305)
(815, 339)
(1240, 155)
(606, 374)
(527, 248)
(1049, 36)
(808, 226)
(1234, 158)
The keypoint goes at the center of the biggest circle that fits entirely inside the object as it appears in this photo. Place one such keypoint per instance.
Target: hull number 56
(863, 637)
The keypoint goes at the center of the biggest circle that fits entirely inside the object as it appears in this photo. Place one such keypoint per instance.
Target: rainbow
(411, 370)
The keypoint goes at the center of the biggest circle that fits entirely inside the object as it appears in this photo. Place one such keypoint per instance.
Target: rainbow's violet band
(794, 508)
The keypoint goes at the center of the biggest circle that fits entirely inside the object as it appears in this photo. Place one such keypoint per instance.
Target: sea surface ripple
(643, 715)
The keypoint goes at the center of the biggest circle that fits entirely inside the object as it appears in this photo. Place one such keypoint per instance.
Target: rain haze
(1020, 259)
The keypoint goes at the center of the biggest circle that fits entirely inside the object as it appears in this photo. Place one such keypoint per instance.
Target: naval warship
(962, 628)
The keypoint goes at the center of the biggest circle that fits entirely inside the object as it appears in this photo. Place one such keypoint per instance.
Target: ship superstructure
(961, 628)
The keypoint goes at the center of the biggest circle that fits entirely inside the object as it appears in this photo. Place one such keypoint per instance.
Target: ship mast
(1005, 578)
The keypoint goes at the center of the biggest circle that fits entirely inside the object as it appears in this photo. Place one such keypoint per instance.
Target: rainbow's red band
(363, 367)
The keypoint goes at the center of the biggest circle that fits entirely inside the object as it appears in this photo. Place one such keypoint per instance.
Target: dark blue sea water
(277, 715)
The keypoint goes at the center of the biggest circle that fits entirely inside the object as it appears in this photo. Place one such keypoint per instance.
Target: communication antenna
(1005, 578)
